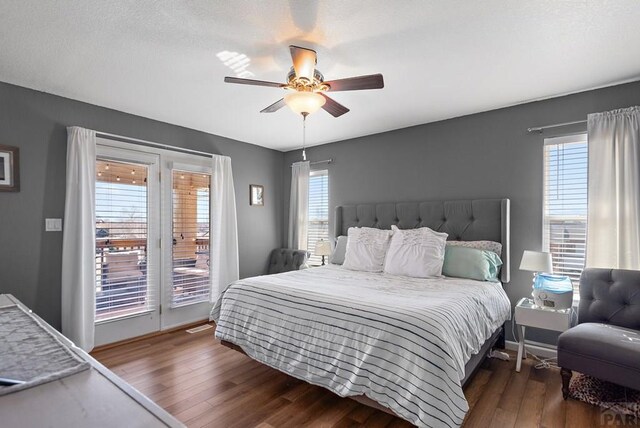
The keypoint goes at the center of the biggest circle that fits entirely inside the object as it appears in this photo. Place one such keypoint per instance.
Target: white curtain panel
(79, 239)
(224, 228)
(299, 205)
(613, 220)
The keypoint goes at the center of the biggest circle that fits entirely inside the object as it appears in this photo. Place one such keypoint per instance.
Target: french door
(186, 230)
(152, 240)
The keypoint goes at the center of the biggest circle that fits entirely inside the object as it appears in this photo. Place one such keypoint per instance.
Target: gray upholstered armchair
(606, 342)
(285, 259)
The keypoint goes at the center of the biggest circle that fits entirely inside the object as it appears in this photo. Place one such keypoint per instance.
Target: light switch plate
(53, 224)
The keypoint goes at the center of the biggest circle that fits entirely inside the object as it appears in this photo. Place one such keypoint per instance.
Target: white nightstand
(529, 315)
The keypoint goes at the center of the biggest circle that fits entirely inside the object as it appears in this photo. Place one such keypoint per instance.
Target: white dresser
(91, 398)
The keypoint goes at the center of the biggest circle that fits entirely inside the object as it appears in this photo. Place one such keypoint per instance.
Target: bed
(407, 345)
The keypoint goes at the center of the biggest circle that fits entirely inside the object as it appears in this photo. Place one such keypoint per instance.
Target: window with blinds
(190, 255)
(318, 212)
(565, 204)
(121, 239)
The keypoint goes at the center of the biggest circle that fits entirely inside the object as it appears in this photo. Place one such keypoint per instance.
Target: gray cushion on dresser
(463, 220)
(606, 343)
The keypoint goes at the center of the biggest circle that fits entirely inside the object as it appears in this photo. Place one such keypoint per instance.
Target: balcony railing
(119, 292)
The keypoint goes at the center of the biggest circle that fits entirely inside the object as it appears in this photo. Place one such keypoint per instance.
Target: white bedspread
(400, 341)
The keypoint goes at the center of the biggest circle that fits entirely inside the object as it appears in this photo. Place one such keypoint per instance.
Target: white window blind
(318, 212)
(565, 204)
(190, 255)
(121, 240)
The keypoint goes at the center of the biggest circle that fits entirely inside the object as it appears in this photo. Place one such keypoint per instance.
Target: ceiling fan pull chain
(304, 136)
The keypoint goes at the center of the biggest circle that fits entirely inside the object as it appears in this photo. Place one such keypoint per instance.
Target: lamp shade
(323, 248)
(304, 102)
(536, 261)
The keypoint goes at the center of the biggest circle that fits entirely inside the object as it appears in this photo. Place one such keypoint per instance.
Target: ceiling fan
(307, 86)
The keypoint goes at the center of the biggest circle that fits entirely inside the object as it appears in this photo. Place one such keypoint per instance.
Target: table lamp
(323, 248)
(536, 261)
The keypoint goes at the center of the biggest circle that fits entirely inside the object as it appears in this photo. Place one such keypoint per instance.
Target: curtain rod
(124, 139)
(318, 162)
(540, 129)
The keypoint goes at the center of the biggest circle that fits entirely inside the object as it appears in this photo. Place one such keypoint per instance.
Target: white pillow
(416, 252)
(337, 256)
(366, 249)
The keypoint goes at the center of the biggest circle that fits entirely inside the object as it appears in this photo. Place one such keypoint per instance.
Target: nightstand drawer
(529, 315)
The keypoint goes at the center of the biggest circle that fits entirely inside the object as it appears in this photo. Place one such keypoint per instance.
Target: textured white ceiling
(440, 59)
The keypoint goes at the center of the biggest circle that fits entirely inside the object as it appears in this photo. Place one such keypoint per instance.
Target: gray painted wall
(30, 258)
(485, 155)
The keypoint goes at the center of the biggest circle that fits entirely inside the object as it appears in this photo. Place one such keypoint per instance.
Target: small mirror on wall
(256, 195)
(9, 169)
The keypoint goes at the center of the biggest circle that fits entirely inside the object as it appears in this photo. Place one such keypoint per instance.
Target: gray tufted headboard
(463, 220)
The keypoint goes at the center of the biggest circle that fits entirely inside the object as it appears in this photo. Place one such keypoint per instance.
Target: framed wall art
(9, 169)
(256, 195)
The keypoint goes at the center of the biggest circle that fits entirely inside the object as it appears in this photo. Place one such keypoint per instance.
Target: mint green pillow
(472, 263)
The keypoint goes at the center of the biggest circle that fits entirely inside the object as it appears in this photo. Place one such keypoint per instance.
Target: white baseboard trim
(540, 349)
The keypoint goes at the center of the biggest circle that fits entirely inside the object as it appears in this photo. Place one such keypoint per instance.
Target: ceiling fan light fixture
(304, 102)
(306, 84)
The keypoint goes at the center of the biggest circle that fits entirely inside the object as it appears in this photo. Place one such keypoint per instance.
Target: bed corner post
(500, 343)
(505, 223)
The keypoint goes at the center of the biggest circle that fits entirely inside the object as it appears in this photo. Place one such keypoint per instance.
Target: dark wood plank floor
(205, 384)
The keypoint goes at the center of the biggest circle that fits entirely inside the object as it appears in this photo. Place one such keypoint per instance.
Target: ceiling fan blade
(372, 81)
(304, 61)
(253, 82)
(332, 107)
(274, 107)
